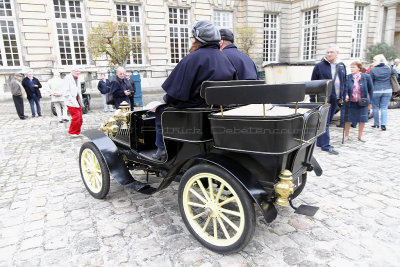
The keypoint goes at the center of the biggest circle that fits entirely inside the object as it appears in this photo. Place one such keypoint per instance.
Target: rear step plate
(306, 210)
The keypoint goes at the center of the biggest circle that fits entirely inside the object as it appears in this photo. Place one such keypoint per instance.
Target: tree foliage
(245, 39)
(111, 39)
(390, 52)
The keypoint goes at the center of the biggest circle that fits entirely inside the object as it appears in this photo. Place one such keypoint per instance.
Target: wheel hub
(212, 209)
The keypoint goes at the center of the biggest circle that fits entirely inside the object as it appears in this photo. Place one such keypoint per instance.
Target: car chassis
(251, 147)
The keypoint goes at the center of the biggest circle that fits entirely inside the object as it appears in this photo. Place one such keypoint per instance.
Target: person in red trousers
(73, 100)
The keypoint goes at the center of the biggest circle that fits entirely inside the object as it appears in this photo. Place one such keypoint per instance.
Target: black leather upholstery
(318, 87)
(206, 84)
(255, 94)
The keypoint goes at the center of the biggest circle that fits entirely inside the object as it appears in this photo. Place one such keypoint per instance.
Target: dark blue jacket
(183, 85)
(29, 92)
(366, 86)
(104, 87)
(245, 67)
(380, 75)
(118, 88)
(323, 71)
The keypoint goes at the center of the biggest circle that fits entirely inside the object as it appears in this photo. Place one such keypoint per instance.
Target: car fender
(111, 155)
(243, 176)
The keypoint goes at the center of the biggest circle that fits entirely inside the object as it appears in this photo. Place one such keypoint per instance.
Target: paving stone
(47, 218)
(34, 242)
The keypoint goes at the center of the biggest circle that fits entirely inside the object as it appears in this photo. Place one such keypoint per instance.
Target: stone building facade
(50, 35)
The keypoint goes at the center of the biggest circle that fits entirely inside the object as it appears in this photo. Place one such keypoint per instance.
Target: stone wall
(39, 45)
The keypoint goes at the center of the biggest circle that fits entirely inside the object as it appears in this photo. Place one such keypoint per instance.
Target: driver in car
(205, 63)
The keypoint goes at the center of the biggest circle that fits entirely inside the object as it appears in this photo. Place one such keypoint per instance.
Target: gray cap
(227, 35)
(18, 75)
(204, 31)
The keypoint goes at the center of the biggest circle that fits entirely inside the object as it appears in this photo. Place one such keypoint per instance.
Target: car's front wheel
(216, 209)
(94, 171)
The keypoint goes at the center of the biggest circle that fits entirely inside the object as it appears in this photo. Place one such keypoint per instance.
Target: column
(390, 24)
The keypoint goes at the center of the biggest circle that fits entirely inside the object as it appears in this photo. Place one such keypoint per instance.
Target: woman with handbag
(358, 91)
(381, 75)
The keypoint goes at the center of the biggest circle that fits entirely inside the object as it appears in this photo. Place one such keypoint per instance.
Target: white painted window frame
(310, 56)
(133, 24)
(69, 22)
(219, 19)
(179, 26)
(358, 43)
(4, 64)
(278, 34)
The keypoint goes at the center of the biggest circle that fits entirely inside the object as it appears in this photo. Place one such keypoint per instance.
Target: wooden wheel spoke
(206, 224)
(203, 189)
(215, 227)
(229, 200)
(197, 195)
(231, 212)
(211, 188)
(223, 227)
(199, 215)
(226, 219)
(217, 197)
(194, 204)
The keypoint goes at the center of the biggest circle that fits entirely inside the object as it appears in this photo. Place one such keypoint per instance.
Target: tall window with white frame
(9, 52)
(178, 33)
(70, 32)
(310, 27)
(358, 31)
(223, 20)
(130, 14)
(271, 37)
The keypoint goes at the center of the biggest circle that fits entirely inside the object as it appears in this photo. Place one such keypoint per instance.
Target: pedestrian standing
(73, 100)
(358, 92)
(330, 68)
(32, 85)
(380, 75)
(132, 89)
(56, 97)
(16, 91)
(120, 88)
(104, 87)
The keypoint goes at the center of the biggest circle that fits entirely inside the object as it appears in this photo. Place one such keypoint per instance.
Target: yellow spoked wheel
(94, 171)
(216, 209)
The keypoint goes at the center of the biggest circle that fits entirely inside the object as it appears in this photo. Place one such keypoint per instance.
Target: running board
(304, 209)
(141, 187)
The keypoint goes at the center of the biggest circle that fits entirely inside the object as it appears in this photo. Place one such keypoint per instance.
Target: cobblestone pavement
(47, 218)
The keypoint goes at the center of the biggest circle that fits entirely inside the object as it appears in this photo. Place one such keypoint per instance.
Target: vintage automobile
(252, 146)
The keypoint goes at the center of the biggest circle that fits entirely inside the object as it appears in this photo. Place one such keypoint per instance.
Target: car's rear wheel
(216, 209)
(94, 171)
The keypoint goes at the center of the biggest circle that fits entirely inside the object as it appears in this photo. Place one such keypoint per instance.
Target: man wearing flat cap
(16, 91)
(245, 67)
(206, 63)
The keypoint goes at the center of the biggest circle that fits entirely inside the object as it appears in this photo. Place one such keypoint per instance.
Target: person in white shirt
(57, 99)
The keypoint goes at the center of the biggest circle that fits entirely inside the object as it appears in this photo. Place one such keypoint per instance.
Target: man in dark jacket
(31, 86)
(133, 90)
(206, 63)
(245, 67)
(330, 68)
(120, 88)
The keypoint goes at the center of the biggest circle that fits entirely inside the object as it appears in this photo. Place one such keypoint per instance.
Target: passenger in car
(244, 65)
(182, 87)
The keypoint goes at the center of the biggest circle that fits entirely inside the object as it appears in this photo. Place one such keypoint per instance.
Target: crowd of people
(213, 56)
(357, 93)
